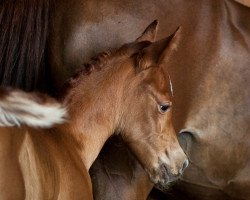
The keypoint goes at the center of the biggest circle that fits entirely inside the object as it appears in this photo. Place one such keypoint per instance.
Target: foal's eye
(164, 107)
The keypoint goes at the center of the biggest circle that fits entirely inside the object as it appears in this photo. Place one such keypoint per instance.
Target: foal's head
(146, 111)
(132, 94)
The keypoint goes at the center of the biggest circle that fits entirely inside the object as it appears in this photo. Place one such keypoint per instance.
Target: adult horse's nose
(184, 166)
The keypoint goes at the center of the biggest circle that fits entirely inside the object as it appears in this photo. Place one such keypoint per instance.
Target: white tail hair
(32, 109)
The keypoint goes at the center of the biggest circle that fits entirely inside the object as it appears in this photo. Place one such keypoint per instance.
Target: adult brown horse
(209, 74)
(126, 91)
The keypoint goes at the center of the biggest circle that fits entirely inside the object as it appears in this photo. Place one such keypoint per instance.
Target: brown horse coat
(35, 165)
(52, 162)
(210, 75)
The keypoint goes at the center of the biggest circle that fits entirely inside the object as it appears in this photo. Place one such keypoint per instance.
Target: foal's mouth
(162, 176)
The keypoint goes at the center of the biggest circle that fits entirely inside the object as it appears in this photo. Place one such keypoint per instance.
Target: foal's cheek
(164, 124)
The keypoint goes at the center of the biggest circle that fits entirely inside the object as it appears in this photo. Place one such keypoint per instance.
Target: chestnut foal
(125, 91)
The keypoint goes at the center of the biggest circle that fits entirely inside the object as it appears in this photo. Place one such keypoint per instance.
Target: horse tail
(32, 109)
(23, 40)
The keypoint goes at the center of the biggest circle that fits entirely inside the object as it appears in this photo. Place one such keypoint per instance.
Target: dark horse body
(210, 75)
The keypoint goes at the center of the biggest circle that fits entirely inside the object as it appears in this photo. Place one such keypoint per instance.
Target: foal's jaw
(163, 165)
(170, 168)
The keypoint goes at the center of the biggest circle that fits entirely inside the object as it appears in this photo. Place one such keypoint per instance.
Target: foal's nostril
(184, 166)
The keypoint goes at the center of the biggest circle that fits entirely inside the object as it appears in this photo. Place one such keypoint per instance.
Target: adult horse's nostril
(185, 139)
(184, 166)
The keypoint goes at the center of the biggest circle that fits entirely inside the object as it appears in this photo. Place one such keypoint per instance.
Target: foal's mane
(95, 64)
(102, 60)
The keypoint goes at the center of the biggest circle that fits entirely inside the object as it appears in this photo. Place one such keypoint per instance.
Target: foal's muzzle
(171, 177)
(167, 174)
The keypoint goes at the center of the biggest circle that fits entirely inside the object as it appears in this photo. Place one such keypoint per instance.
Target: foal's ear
(149, 33)
(158, 52)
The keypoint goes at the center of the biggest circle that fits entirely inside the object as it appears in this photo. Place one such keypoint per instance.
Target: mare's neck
(94, 107)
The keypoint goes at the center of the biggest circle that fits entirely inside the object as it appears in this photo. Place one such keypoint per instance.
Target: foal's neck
(94, 108)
